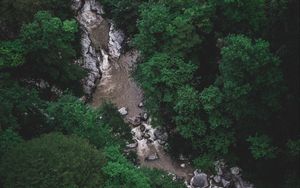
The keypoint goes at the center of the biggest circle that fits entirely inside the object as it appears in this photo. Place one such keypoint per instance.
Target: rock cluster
(144, 136)
(225, 178)
(100, 41)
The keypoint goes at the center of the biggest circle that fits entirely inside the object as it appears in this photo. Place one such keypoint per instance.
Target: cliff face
(100, 41)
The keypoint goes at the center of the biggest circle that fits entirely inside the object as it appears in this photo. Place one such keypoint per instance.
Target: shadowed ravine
(109, 79)
(101, 51)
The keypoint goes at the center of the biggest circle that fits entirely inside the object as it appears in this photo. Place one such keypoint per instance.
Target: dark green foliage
(11, 54)
(121, 173)
(204, 162)
(159, 179)
(261, 147)
(8, 139)
(161, 76)
(124, 13)
(187, 108)
(21, 109)
(53, 160)
(110, 116)
(252, 80)
(167, 27)
(15, 13)
(71, 116)
(293, 147)
(219, 95)
(240, 16)
(49, 52)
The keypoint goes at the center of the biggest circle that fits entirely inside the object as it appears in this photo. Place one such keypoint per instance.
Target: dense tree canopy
(53, 160)
(52, 36)
(221, 76)
(15, 13)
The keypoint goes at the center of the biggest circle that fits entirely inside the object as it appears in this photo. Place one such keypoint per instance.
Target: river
(103, 58)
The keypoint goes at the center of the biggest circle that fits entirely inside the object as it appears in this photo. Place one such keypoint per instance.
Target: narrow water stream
(120, 88)
(101, 47)
(102, 58)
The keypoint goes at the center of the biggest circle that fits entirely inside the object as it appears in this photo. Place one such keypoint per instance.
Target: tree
(172, 27)
(8, 139)
(121, 173)
(188, 120)
(160, 77)
(160, 179)
(101, 127)
(53, 160)
(49, 52)
(261, 147)
(11, 54)
(21, 109)
(124, 13)
(240, 16)
(15, 13)
(252, 80)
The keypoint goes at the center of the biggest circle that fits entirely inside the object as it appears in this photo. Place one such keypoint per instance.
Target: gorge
(109, 79)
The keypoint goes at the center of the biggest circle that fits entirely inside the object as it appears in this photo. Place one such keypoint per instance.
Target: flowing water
(102, 58)
(101, 47)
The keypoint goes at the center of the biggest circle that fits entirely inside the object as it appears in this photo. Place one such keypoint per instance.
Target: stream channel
(102, 58)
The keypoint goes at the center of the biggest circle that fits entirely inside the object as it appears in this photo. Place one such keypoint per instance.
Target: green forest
(220, 76)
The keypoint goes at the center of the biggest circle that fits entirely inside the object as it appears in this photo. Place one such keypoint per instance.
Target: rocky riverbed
(109, 79)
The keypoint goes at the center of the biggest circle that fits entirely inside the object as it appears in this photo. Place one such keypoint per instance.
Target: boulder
(199, 180)
(182, 165)
(141, 104)
(146, 136)
(132, 145)
(136, 121)
(225, 183)
(116, 38)
(220, 167)
(152, 157)
(144, 116)
(217, 179)
(142, 128)
(235, 171)
(161, 142)
(182, 158)
(160, 134)
(149, 141)
(123, 111)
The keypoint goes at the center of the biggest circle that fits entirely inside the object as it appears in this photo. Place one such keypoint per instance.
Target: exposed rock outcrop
(99, 41)
(225, 178)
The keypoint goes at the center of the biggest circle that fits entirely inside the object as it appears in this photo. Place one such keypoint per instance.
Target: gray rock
(144, 116)
(142, 128)
(149, 141)
(225, 183)
(235, 171)
(136, 121)
(152, 157)
(123, 111)
(182, 158)
(141, 104)
(132, 145)
(217, 179)
(161, 134)
(161, 142)
(199, 180)
(220, 167)
(146, 136)
(116, 38)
